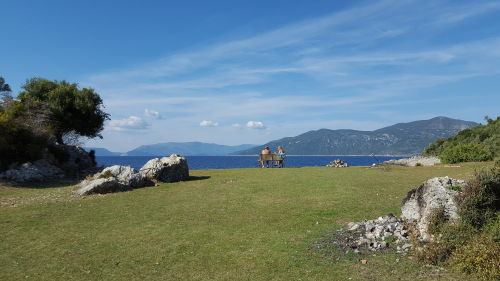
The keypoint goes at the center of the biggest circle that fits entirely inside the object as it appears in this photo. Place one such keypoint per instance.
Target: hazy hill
(187, 149)
(399, 139)
(99, 151)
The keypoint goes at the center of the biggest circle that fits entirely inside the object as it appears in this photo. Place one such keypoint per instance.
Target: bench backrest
(270, 157)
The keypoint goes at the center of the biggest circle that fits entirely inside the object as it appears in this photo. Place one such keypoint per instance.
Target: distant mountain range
(400, 139)
(182, 148)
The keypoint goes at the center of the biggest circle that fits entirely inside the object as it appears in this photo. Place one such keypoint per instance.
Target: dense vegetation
(45, 114)
(480, 143)
(472, 243)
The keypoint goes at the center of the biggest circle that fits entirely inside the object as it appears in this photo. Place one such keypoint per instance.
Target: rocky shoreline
(415, 161)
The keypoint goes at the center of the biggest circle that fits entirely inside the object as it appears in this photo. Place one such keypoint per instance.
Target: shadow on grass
(193, 178)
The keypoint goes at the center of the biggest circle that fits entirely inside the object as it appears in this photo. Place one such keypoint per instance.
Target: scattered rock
(372, 234)
(337, 164)
(432, 194)
(415, 161)
(39, 170)
(166, 169)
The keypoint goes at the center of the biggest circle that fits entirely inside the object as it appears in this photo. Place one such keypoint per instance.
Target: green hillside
(480, 143)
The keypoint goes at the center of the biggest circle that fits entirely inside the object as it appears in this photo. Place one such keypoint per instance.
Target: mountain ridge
(187, 149)
(399, 139)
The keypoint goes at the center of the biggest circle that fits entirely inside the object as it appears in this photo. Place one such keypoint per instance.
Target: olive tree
(69, 109)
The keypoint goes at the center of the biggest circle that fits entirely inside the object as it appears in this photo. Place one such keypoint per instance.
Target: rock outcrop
(122, 178)
(166, 169)
(36, 171)
(423, 200)
(337, 164)
(415, 161)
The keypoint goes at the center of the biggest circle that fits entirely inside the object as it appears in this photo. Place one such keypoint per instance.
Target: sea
(237, 162)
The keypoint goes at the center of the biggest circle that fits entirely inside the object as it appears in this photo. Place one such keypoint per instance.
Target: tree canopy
(4, 87)
(68, 108)
(44, 113)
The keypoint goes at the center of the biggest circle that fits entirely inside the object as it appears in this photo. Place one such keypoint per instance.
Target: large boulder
(166, 169)
(112, 179)
(423, 200)
(39, 170)
(101, 186)
(126, 175)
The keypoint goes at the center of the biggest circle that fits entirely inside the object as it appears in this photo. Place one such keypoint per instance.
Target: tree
(69, 110)
(4, 87)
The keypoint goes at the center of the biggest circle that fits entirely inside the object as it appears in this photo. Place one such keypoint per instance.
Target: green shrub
(480, 256)
(106, 175)
(437, 220)
(457, 188)
(59, 153)
(418, 164)
(18, 144)
(480, 200)
(465, 153)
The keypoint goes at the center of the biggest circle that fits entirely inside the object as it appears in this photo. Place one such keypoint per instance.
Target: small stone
(364, 261)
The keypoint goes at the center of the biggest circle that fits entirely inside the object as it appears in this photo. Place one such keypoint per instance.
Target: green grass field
(241, 224)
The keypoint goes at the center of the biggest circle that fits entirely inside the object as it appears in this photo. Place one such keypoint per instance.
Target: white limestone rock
(166, 169)
(430, 195)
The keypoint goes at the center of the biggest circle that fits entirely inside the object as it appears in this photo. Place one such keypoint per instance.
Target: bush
(480, 256)
(59, 153)
(106, 175)
(480, 200)
(465, 153)
(437, 220)
(18, 144)
(472, 243)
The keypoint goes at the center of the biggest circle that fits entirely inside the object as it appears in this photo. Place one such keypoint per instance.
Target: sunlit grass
(242, 224)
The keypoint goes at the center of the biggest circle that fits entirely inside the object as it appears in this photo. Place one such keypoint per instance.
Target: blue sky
(233, 72)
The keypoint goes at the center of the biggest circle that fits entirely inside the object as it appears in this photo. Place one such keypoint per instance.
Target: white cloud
(152, 113)
(236, 125)
(130, 123)
(255, 125)
(208, 123)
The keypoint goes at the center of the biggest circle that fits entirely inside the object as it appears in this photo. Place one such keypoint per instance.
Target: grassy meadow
(236, 224)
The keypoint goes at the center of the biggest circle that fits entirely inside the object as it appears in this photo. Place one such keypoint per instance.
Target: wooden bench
(275, 159)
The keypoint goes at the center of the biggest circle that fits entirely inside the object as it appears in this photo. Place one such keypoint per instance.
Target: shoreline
(255, 155)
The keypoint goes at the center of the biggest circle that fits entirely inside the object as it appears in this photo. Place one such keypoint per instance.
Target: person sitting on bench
(265, 151)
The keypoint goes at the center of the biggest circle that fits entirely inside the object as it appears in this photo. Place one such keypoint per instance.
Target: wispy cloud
(256, 125)
(130, 123)
(365, 57)
(208, 123)
(152, 113)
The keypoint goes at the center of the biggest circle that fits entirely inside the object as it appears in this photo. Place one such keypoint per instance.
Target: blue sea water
(233, 162)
